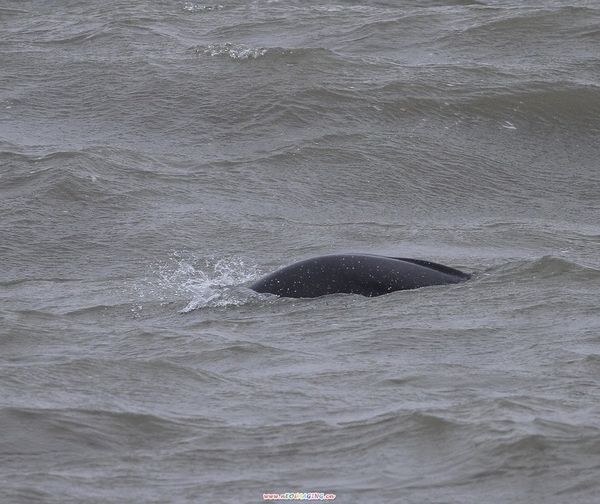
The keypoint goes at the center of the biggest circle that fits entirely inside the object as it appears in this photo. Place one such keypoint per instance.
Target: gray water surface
(156, 157)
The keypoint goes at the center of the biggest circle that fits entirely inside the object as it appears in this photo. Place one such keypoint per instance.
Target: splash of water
(204, 281)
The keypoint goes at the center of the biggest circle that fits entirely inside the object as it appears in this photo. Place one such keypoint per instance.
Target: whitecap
(234, 51)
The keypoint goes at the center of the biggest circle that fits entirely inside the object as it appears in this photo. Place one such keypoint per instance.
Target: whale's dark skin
(365, 274)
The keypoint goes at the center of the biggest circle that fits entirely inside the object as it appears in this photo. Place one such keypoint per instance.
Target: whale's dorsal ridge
(436, 266)
(366, 274)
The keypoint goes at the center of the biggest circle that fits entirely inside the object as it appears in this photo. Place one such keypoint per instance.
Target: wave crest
(550, 267)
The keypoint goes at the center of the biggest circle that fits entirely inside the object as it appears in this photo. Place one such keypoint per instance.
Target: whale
(365, 274)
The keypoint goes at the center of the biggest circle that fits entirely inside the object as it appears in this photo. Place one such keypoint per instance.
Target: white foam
(234, 51)
(192, 7)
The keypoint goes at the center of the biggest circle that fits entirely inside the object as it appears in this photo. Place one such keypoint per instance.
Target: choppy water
(157, 156)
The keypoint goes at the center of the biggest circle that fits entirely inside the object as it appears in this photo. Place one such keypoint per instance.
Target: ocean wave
(405, 420)
(508, 100)
(65, 429)
(84, 371)
(527, 21)
(575, 104)
(523, 449)
(54, 430)
(38, 157)
(107, 28)
(80, 35)
(244, 350)
(549, 267)
(8, 11)
(513, 105)
(320, 437)
(20, 281)
(95, 173)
